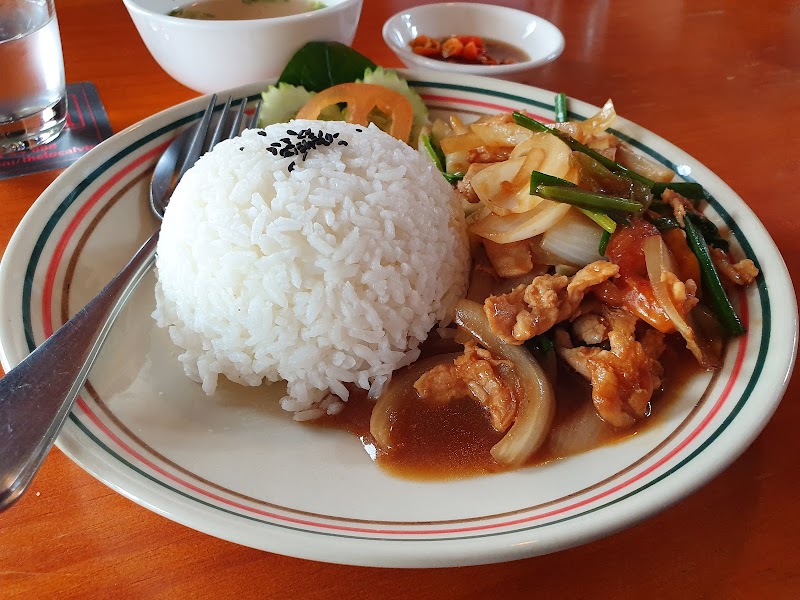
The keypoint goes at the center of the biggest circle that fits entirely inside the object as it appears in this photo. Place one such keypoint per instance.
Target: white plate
(234, 466)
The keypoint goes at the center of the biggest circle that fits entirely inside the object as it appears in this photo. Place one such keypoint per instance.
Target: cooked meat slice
(682, 294)
(547, 300)
(652, 341)
(477, 374)
(623, 378)
(680, 205)
(569, 354)
(488, 380)
(743, 272)
(441, 384)
(502, 310)
(510, 260)
(489, 154)
(590, 328)
(623, 381)
(589, 276)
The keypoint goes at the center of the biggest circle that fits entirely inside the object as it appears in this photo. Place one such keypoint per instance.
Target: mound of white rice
(320, 271)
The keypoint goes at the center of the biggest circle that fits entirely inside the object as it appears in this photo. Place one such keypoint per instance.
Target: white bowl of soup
(212, 45)
(476, 39)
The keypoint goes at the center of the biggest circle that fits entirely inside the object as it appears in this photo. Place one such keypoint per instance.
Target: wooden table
(719, 79)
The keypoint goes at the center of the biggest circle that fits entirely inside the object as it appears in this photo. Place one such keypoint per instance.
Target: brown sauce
(503, 52)
(453, 441)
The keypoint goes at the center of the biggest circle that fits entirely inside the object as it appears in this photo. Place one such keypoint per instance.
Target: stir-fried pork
(682, 294)
(510, 260)
(477, 374)
(489, 154)
(680, 205)
(549, 299)
(590, 329)
(743, 272)
(623, 378)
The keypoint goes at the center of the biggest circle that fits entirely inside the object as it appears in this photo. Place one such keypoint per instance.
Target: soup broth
(239, 10)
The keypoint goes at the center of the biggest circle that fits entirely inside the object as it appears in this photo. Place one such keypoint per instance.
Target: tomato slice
(361, 98)
(625, 247)
(635, 294)
(688, 266)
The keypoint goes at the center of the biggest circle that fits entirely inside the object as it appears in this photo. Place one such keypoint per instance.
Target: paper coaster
(87, 126)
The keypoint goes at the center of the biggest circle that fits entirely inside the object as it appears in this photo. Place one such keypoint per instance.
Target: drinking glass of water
(33, 100)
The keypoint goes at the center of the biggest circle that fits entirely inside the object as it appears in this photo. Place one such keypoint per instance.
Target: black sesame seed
(275, 144)
(335, 135)
(342, 143)
(286, 140)
(241, 149)
(290, 132)
(274, 151)
(359, 130)
(262, 132)
(291, 166)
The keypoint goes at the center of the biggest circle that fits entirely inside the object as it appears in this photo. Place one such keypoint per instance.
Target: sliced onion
(575, 238)
(555, 160)
(501, 134)
(643, 165)
(458, 125)
(441, 129)
(456, 162)
(476, 212)
(514, 195)
(505, 186)
(488, 180)
(596, 124)
(460, 143)
(581, 431)
(571, 128)
(659, 261)
(537, 408)
(520, 226)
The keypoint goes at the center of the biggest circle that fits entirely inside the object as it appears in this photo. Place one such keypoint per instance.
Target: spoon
(37, 395)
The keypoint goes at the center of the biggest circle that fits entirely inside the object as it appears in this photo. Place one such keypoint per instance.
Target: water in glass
(32, 93)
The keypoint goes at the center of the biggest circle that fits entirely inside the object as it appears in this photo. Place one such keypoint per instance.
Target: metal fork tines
(187, 148)
(199, 144)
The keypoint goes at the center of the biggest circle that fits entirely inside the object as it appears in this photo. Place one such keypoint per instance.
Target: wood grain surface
(721, 80)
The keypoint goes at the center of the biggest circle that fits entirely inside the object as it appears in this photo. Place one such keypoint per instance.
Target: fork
(37, 395)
